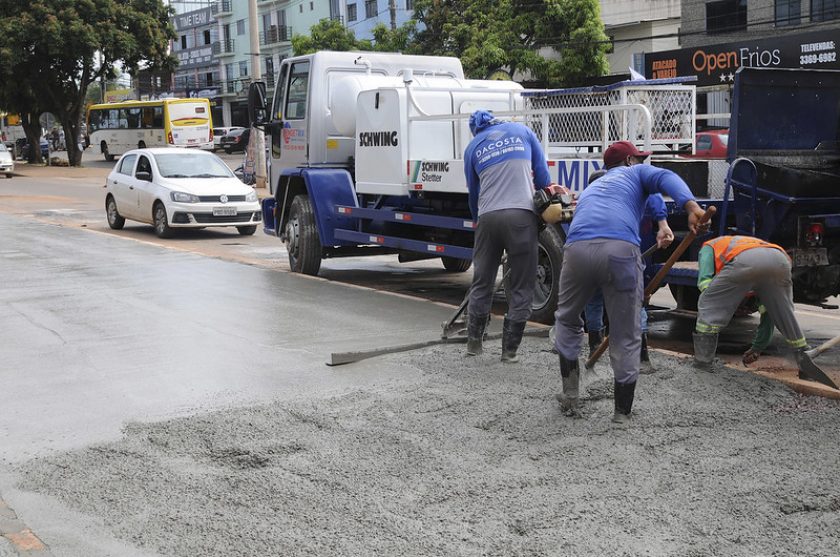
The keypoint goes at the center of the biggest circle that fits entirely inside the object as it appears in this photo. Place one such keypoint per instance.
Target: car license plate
(810, 257)
(224, 211)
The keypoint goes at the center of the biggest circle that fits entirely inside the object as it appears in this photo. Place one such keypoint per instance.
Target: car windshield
(192, 165)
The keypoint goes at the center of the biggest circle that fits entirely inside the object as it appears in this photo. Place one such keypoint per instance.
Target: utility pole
(392, 6)
(257, 136)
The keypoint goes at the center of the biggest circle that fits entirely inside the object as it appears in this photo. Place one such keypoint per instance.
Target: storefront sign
(716, 64)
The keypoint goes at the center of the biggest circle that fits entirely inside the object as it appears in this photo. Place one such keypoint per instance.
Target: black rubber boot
(511, 339)
(705, 346)
(570, 397)
(476, 325)
(645, 367)
(624, 394)
(595, 339)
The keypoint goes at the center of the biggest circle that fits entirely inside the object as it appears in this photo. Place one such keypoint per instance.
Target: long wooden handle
(657, 279)
(824, 346)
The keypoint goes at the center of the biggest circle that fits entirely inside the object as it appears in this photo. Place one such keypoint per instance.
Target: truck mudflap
(269, 218)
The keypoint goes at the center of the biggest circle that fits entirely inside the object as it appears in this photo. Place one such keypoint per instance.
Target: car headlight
(251, 196)
(182, 197)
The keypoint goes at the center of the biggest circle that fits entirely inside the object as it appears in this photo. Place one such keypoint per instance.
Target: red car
(710, 144)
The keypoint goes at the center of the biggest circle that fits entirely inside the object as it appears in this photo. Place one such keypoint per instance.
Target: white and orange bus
(119, 127)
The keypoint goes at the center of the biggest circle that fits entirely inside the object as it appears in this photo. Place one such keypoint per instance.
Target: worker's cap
(620, 150)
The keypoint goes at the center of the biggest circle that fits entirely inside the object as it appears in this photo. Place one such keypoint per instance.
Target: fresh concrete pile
(472, 457)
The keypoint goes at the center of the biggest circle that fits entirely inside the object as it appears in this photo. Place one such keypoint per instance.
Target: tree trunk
(71, 119)
(32, 128)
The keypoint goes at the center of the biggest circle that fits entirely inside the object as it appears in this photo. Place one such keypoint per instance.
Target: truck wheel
(302, 239)
(455, 265)
(549, 263)
(685, 296)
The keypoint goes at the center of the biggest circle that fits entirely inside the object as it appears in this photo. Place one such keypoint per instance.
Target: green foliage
(492, 35)
(327, 34)
(57, 48)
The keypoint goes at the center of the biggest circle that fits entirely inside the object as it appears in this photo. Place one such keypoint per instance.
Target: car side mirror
(144, 176)
(257, 104)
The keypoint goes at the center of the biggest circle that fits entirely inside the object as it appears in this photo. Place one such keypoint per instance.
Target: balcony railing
(276, 35)
(223, 47)
(222, 8)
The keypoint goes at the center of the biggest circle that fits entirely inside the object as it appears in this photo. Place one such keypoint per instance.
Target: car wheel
(302, 241)
(228, 151)
(455, 265)
(161, 221)
(247, 230)
(115, 220)
(9, 175)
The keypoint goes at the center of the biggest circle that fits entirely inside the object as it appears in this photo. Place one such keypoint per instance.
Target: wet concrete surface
(161, 398)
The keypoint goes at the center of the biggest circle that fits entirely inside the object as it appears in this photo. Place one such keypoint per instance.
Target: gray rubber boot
(512, 332)
(476, 326)
(645, 367)
(705, 346)
(570, 397)
(624, 394)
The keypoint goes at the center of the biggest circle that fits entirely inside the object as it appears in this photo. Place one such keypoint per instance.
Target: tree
(493, 35)
(54, 46)
(328, 34)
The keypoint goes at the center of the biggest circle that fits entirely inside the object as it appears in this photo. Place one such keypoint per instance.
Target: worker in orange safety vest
(729, 268)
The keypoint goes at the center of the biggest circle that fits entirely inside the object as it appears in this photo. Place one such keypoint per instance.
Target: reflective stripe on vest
(726, 248)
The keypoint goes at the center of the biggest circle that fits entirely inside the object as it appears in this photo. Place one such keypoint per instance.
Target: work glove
(750, 356)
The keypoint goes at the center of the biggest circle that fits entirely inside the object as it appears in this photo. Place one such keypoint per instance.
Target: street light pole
(258, 141)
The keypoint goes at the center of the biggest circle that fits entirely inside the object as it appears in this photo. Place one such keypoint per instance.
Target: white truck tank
(399, 127)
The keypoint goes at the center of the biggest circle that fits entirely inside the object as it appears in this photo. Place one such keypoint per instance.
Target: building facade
(361, 16)
(638, 26)
(198, 73)
(718, 37)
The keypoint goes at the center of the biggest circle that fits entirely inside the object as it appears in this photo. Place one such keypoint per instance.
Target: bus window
(95, 120)
(132, 117)
(298, 88)
(113, 119)
(157, 121)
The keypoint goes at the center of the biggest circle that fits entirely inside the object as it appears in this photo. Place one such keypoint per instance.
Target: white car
(219, 133)
(172, 188)
(7, 162)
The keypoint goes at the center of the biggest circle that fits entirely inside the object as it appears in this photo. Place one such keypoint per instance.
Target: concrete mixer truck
(366, 155)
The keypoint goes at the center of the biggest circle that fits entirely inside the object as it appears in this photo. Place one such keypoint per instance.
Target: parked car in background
(710, 144)
(219, 133)
(237, 140)
(173, 188)
(7, 162)
(45, 149)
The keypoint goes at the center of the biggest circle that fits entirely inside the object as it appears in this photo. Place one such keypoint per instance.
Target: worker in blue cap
(503, 164)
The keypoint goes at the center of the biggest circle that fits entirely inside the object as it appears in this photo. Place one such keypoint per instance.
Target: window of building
(787, 12)
(311, 6)
(243, 68)
(409, 4)
(229, 72)
(207, 36)
(183, 42)
(300, 8)
(351, 12)
(825, 10)
(370, 8)
(240, 27)
(269, 68)
(726, 16)
(281, 18)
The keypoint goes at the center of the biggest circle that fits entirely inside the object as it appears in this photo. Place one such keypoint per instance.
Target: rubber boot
(624, 394)
(645, 367)
(570, 397)
(475, 334)
(705, 346)
(595, 339)
(511, 339)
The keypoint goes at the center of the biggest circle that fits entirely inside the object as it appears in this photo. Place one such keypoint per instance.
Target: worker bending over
(499, 164)
(602, 251)
(729, 268)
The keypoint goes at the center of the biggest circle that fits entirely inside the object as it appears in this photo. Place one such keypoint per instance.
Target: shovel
(809, 370)
(657, 279)
(823, 347)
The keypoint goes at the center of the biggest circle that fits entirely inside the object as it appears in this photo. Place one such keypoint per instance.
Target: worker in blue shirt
(655, 211)
(503, 164)
(602, 251)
